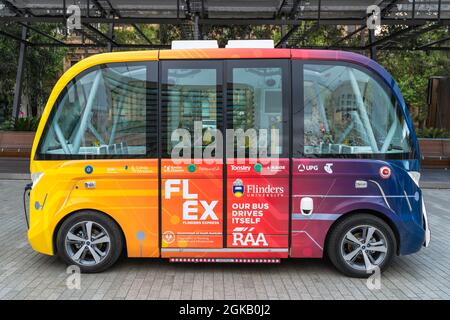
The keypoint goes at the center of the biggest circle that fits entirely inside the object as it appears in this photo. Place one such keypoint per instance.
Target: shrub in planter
(21, 124)
(435, 133)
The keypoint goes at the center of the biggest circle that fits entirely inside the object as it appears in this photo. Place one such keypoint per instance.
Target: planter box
(435, 152)
(16, 143)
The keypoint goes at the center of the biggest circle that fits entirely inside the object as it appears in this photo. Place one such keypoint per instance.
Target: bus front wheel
(90, 240)
(361, 244)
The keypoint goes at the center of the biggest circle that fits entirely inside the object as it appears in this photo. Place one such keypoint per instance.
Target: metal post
(19, 75)
(196, 28)
(373, 48)
(283, 31)
(111, 36)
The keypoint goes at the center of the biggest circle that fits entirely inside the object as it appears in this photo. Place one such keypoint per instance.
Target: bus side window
(257, 108)
(101, 113)
(348, 112)
(191, 108)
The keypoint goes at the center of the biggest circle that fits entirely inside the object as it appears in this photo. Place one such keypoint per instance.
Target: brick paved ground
(25, 274)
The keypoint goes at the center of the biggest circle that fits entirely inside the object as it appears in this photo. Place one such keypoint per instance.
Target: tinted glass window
(191, 104)
(103, 112)
(347, 111)
(257, 105)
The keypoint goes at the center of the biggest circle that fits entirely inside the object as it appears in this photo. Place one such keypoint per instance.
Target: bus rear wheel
(90, 240)
(361, 244)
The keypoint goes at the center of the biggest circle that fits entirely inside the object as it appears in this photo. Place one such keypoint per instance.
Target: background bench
(435, 153)
(16, 143)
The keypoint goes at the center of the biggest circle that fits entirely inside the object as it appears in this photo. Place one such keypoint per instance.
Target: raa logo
(238, 188)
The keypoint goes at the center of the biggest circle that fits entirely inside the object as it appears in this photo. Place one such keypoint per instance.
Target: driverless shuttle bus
(248, 155)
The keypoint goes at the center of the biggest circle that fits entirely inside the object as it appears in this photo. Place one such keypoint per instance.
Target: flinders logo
(238, 188)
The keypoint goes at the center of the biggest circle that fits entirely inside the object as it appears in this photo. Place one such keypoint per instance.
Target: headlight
(415, 176)
(35, 177)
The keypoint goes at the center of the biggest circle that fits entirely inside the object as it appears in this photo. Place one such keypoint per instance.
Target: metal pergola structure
(409, 19)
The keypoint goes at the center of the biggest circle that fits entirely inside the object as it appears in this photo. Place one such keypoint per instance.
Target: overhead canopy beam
(294, 8)
(416, 33)
(13, 36)
(16, 10)
(310, 30)
(141, 33)
(88, 45)
(166, 46)
(432, 43)
(364, 22)
(41, 33)
(390, 37)
(287, 36)
(23, 13)
(283, 13)
(280, 7)
(117, 13)
(219, 21)
(95, 30)
(88, 36)
(100, 8)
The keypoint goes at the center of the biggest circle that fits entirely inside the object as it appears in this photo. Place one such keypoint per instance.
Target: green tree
(43, 66)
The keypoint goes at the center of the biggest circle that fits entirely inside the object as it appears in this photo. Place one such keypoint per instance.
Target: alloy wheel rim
(87, 243)
(364, 247)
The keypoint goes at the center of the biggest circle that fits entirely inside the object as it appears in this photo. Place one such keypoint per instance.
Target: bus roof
(232, 53)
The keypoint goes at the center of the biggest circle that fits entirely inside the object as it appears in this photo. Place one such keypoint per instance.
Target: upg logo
(238, 188)
(309, 167)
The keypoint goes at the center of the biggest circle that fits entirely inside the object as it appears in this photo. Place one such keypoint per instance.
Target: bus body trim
(224, 250)
(316, 216)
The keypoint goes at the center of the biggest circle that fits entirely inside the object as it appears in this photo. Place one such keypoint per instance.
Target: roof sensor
(194, 44)
(250, 44)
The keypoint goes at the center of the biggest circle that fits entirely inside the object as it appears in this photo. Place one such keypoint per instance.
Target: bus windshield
(101, 111)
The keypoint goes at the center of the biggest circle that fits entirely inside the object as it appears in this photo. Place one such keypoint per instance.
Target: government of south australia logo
(238, 188)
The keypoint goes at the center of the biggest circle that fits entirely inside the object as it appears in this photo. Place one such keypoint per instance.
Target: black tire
(336, 244)
(112, 250)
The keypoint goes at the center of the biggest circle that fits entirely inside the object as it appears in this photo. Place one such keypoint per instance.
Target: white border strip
(224, 250)
(316, 216)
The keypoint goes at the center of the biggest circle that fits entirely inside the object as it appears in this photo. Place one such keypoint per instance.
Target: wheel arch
(375, 213)
(67, 216)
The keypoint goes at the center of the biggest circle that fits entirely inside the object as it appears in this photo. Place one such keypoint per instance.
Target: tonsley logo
(238, 188)
(241, 168)
(243, 236)
(309, 167)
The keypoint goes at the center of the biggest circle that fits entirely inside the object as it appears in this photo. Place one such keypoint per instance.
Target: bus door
(191, 172)
(257, 184)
